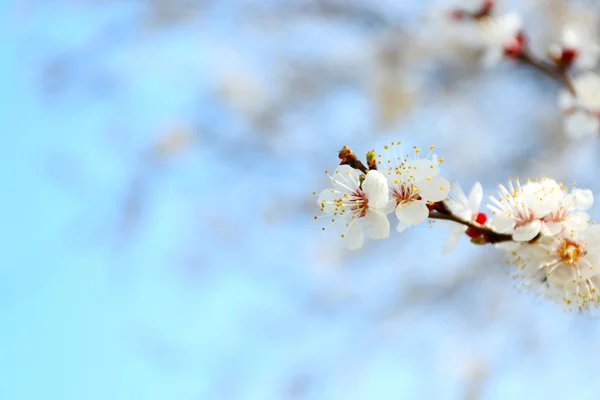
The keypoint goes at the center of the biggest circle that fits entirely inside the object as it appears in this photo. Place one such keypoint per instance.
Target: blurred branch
(552, 70)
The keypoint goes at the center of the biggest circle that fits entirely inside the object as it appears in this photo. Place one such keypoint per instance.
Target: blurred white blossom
(582, 109)
(577, 48)
(500, 36)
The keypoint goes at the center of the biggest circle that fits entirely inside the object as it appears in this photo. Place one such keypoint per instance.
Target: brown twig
(490, 236)
(551, 70)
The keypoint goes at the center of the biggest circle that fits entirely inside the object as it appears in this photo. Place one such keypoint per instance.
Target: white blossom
(538, 207)
(499, 35)
(414, 183)
(577, 47)
(582, 111)
(466, 209)
(357, 204)
(564, 268)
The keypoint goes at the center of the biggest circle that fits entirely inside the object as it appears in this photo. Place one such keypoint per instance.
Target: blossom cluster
(407, 185)
(542, 225)
(503, 36)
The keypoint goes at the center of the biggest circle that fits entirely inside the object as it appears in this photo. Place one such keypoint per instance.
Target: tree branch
(490, 236)
(551, 70)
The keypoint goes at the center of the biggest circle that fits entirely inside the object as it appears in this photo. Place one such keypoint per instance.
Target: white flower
(578, 48)
(465, 209)
(414, 184)
(581, 112)
(568, 210)
(500, 35)
(542, 206)
(351, 202)
(565, 268)
(579, 124)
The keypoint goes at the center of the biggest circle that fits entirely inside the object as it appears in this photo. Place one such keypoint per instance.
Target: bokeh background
(158, 162)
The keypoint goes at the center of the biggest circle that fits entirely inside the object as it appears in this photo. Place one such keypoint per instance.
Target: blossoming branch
(541, 224)
(503, 36)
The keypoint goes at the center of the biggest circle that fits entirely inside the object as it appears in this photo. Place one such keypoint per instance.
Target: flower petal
(401, 227)
(552, 228)
(508, 246)
(376, 225)
(577, 221)
(475, 197)
(511, 23)
(592, 235)
(583, 199)
(527, 232)
(420, 169)
(346, 178)
(492, 57)
(434, 189)
(389, 207)
(580, 124)
(326, 200)
(412, 213)
(566, 100)
(353, 237)
(456, 232)
(502, 224)
(376, 189)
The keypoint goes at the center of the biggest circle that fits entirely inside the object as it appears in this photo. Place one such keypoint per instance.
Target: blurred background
(158, 165)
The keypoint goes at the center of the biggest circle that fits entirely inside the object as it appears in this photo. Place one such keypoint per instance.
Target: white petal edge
(376, 189)
(376, 225)
(412, 213)
(527, 232)
(353, 237)
(475, 197)
(583, 199)
(421, 169)
(502, 224)
(434, 189)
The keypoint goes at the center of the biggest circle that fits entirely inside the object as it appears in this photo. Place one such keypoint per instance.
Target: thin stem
(551, 70)
(491, 236)
(356, 164)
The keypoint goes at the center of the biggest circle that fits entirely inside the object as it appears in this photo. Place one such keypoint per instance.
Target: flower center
(523, 217)
(570, 252)
(406, 193)
(359, 203)
(557, 215)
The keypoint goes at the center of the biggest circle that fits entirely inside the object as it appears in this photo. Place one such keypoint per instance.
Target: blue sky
(223, 286)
